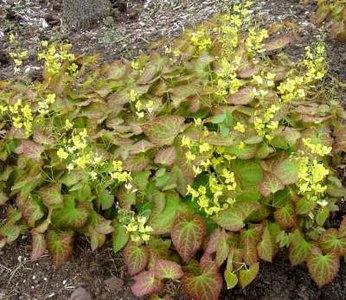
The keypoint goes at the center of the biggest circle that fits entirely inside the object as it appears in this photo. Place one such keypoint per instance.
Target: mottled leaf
(59, 244)
(166, 156)
(248, 275)
(165, 269)
(270, 184)
(145, 284)
(39, 245)
(51, 195)
(136, 257)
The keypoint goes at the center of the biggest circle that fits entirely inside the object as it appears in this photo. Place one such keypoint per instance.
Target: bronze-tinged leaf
(163, 130)
(136, 257)
(136, 163)
(165, 269)
(242, 97)
(270, 184)
(43, 137)
(286, 216)
(204, 286)
(117, 70)
(323, 268)
(166, 156)
(331, 242)
(59, 244)
(265, 247)
(141, 147)
(279, 42)
(51, 195)
(146, 283)
(39, 245)
(187, 235)
(340, 140)
(31, 150)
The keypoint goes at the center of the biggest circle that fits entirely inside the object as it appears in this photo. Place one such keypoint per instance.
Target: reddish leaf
(165, 269)
(323, 268)
(330, 242)
(270, 184)
(136, 163)
(247, 276)
(187, 235)
(141, 147)
(163, 130)
(242, 97)
(287, 171)
(30, 150)
(286, 216)
(136, 257)
(299, 249)
(145, 284)
(279, 42)
(51, 195)
(205, 286)
(340, 140)
(59, 244)
(166, 156)
(39, 245)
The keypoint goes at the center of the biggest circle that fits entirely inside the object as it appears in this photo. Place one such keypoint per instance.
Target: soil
(126, 33)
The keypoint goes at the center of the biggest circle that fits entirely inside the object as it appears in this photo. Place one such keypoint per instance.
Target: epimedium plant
(199, 162)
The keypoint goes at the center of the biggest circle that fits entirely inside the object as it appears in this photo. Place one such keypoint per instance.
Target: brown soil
(128, 32)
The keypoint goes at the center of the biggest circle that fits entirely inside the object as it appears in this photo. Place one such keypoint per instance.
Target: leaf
(59, 244)
(106, 199)
(39, 245)
(222, 248)
(165, 269)
(146, 283)
(231, 279)
(247, 276)
(330, 242)
(141, 147)
(70, 215)
(136, 163)
(233, 218)
(243, 97)
(163, 130)
(120, 237)
(299, 249)
(136, 257)
(51, 195)
(285, 216)
(265, 247)
(249, 172)
(205, 286)
(287, 171)
(30, 149)
(162, 223)
(323, 268)
(125, 198)
(270, 184)
(30, 208)
(187, 235)
(279, 42)
(166, 156)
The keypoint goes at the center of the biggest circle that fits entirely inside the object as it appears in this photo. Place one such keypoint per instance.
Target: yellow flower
(62, 153)
(239, 127)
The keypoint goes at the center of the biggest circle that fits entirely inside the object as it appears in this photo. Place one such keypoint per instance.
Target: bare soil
(126, 33)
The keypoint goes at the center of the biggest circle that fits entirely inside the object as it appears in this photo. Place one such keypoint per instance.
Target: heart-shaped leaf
(247, 276)
(59, 244)
(163, 130)
(265, 247)
(299, 249)
(136, 257)
(330, 242)
(51, 195)
(231, 279)
(166, 156)
(145, 284)
(187, 235)
(165, 269)
(270, 184)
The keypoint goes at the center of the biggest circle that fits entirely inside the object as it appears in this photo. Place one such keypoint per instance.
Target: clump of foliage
(334, 13)
(199, 162)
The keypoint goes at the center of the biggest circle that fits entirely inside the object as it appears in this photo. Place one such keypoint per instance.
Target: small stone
(114, 283)
(80, 294)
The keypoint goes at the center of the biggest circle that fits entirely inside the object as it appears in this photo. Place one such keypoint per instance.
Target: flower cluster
(265, 125)
(135, 227)
(141, 107)
(55, 55)
(16, 55)
(44, 104)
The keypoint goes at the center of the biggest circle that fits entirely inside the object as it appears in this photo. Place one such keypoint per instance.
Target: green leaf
(125, 198)
(70, 215)
(163, 130)
(162, 223)
(39, 245)
(249, 172)
(299, 249)
(304, 206)
(233, 218)
(59, 244)
(218, 119)
(51, 195)
(247, 276)
(330, 242)
(287, 171)
(145, 284)
(323, 268)
(231, 279)
(322, 215)
(120, 237)
(205, 286)
(187, 235)
(106, 199)
(30, 208)
(270, 184)
(165, 269)
(10, 231)
(265, 247)
(136, 257)
(141, 179)
(136, 163)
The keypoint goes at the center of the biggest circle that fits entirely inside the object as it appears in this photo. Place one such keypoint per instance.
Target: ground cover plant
(334, 14)
(200, 162)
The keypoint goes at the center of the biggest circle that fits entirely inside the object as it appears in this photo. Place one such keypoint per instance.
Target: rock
(80, 294)
(114, 283)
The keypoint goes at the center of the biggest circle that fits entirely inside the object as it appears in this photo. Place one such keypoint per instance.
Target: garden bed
(102, 273)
